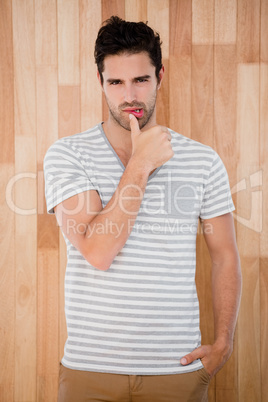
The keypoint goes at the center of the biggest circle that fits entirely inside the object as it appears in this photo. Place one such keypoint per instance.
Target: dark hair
(118, 36)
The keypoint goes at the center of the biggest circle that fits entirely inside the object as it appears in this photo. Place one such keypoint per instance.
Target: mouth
(137, 112)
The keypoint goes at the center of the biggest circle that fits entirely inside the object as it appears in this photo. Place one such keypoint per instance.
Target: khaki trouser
(83, 386)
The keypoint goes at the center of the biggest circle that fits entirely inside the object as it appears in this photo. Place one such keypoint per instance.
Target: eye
(115, 82)
(142, 79)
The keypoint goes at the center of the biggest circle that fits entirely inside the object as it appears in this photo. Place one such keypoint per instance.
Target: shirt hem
(123, 372)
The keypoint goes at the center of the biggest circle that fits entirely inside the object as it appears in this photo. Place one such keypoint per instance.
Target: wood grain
(7, 216)
(180, 59)
(247, 234)
(158, 19)
(264, 231)
(248, 27)
(203, 22)
(112, 7)
(202, 94)
(26, 268)
(91, 104)
(136, 10)
(225, 22)
(7, 154)
(47, 231)
(48, 324)
(7, 288)
(225, 89)
(23, 18)
(46, 109)
(264, 32)
(68, 42)
(69, 110)
(46, 32)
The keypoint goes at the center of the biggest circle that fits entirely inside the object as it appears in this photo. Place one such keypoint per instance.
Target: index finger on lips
(134, 124)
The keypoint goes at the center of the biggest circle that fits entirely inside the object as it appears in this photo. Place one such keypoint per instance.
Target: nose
(129, 93)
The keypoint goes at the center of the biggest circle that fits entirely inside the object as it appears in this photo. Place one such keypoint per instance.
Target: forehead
(127, 65)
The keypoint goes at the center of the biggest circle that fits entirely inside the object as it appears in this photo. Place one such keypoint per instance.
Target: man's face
(130, 86)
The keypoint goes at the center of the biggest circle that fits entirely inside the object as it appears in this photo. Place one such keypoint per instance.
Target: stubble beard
(118, 117)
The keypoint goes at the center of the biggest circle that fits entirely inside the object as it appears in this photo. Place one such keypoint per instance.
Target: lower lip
(139, 114)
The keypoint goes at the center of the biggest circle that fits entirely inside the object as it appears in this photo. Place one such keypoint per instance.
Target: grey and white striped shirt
(142, 315)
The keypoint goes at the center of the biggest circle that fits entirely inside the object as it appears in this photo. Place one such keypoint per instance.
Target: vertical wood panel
(248, 238)
(248, 27)
(225, 89)
(264, 232)
(225, 21)
(69, 110)
(46, 110)
(202, 94)
(264, 193)
(90, 21)
(47, 326)
(6, 85)
(7, 228)
(7, 289)
(158, 19)
(180, 53)
(25, 199)
(47, 238)
(24, 66)
(264, 32)
(203, 22)
(46, 28)
(136, 10)
(68, 42)
(26, 279)
(112, 7)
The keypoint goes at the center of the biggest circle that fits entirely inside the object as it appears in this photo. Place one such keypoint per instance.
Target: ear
(161, 75)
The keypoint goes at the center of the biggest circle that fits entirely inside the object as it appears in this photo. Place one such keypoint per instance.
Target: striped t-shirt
(142, 314)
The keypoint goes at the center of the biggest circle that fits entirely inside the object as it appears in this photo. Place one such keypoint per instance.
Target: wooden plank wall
(215, 91)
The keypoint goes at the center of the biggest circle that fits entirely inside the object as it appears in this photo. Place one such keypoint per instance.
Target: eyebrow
(142, 77)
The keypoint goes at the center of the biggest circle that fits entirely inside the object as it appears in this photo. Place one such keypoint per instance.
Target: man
(128, 195)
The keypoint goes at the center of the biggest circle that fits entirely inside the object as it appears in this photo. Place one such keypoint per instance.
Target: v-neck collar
(117, 157)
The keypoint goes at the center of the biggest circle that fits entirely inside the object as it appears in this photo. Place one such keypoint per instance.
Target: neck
(117, 135)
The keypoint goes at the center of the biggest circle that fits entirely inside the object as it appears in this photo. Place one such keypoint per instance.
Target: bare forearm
(226, 288)
(226, 291)
(108, 232)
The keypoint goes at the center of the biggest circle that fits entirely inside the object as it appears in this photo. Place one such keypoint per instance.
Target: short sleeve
(65, 174)
(217, 199)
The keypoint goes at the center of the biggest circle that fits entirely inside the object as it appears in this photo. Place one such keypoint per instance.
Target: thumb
(194, 355)
(134, 125)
